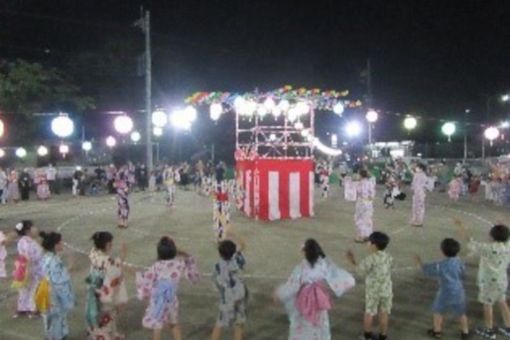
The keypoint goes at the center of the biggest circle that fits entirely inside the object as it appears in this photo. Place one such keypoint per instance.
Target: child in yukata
(305, 294)
(376, 268)
(451, 296)
(30, 256)
(233, 291)
(159, 284)
(61, 290)
(492, 277)
(106, 289)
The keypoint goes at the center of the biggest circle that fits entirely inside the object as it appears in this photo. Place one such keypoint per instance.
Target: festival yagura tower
(274, 146)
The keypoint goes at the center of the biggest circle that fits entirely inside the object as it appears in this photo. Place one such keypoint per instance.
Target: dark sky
(435, 58)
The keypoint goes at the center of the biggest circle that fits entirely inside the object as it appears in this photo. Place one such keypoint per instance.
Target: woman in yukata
(306, 295)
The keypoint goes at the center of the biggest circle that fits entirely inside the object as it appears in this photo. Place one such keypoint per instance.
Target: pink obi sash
(311, 300)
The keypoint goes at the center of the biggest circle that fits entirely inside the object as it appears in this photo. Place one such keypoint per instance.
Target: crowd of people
(44, 282)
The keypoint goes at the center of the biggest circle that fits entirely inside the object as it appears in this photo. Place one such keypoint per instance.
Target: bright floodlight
(110, 141)
(180, 119)
(1, 128)
(21, 152)
(491, 133)
(505, 97)
(86, 146)
(63, 149)
(410, 123)
(269, 104)
(448, 128)
(62, 126)
(159, 118)
(338, 108)
(42, 151)
(352, 129)
(123, 124)
(215, 111)
(157, 131)
(135, 136)
(191, 113)
(2, 153)
(372, 116)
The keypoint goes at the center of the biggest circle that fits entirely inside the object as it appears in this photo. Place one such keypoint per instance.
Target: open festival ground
(273, 251)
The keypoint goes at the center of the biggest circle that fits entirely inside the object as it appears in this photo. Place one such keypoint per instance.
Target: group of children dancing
(44, 285)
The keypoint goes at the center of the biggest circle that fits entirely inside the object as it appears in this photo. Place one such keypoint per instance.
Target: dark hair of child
(166, 248)
(227, 249)
(422, 166)
(379, 240)
(50, 240)
(101, 239)
(450, 247)
(500, 233)
(27, 225)
(363, 173)
(313, 251)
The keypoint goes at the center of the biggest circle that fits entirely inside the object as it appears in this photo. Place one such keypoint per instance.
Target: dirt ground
(273, 250)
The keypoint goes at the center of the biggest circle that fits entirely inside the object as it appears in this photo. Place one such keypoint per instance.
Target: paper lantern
(42, 151)
(21, 152)
(135, 136)
(86, 146)
(62, 126)
(110, 141)
(123, 124)
(159, 118)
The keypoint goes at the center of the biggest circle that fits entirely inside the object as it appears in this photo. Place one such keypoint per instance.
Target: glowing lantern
(110, 141)
(135, 136)
(159, 118)
(62, 126)
(338, 108)
(372, 116)
(123, 124)
(21, 152)
(86, 146)
(63, 149)
(42, 151)
(448, 129)
(215, 111)
(410, 123)
(491, 133)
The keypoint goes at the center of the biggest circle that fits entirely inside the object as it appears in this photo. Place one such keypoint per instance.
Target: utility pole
(465, 135)
(145, 24)
(369, 102)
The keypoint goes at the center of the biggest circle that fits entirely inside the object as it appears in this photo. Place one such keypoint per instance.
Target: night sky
(433, 58)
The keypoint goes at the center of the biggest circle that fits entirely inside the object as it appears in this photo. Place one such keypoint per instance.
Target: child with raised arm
(451, 296)
(232, 289)
(159, 284)
(492, 278)
(376, 268)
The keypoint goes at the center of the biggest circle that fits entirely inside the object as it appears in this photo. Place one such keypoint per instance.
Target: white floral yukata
(365, 194)
(418, 186)
(325, 273)
(159, 284)
(30, 249)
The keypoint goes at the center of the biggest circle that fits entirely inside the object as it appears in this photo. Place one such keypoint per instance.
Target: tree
(27, 88)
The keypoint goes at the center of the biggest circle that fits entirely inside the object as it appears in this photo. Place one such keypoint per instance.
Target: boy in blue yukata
(451, 296)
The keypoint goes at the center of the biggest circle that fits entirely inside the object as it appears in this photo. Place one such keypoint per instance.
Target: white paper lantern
(86, 146)
(491, 133)
(63, 149)
(191, 113)
(284, 105)
(123, 124)
(135, 136)
(338, 108)
(157, 131)
(372, 116)
(21, 152)
(215, 111)
(410, 123)
(62, 126)
(42, 151)
(159, 118)
(110, 141)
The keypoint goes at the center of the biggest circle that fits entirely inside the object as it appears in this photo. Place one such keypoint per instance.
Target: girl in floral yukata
(159, 284)
(122, 187)
(61, 290)
(365, 194)
(455, 188)
(233, 291)
(30, 256)
(306, 297)
(106, 290)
